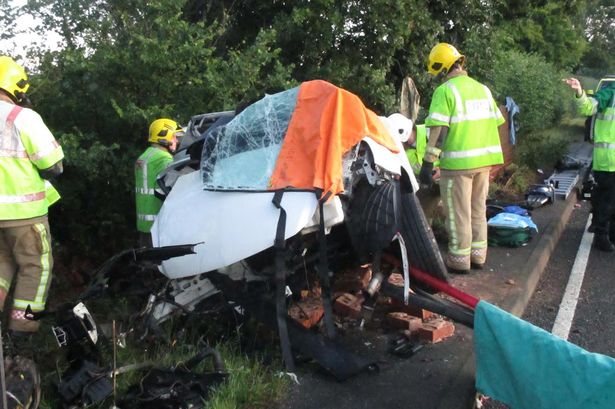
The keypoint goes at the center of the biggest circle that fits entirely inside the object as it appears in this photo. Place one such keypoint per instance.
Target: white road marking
(563, 321)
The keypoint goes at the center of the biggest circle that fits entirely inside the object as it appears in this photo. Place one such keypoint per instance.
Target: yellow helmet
(162, 130)
(13, 79)
(442, 57)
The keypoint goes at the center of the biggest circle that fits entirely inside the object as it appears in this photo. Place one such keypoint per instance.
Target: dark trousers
(603, 200)
(145, 240)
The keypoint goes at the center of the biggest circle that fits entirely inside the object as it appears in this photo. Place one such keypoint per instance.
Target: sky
(16, 45)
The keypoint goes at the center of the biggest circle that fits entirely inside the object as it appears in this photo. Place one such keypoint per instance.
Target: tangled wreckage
(305, 180)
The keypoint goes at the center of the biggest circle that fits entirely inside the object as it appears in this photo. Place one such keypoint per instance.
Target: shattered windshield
(242, 154)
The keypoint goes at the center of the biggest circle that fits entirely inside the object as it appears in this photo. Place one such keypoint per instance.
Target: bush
(535, 85)
(542, 149)
(96, 215)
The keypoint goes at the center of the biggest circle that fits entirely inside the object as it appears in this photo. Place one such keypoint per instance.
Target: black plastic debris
(180, 387)
(85, 383)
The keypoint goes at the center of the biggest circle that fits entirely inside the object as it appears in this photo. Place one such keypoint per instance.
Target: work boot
(602, 242)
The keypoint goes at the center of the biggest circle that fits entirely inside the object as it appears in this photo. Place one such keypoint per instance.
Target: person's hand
(436, 174)
(426, 173)
(575, 85)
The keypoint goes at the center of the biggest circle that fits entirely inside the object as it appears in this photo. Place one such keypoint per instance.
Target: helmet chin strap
(23, 100)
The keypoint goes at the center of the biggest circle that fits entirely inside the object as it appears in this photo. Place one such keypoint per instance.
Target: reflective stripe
(477, 116)
(10, 119)
(452, 229)
(41, 292)
(5, 284)
(460, 252)
(604, 145)
(493, 108)
(144, 191)
(484, 107)
(144, 169)
(42, 153)
(23, 304)
(472, 152)
(603, 117)
(479, 244)
(458, 100)
(11, 153)
(147, 217)
(31, 197)
(439, 117)
(593, 101)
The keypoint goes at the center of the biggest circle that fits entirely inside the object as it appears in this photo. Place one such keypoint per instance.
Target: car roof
(605, 80)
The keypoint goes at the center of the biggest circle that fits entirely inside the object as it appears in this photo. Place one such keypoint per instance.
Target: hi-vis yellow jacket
(26, 145)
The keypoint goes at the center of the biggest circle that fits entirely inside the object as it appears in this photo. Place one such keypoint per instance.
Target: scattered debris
(178, 387)
(291, 375)
(348, 305)
(307, 311)
(412, 310)
(403, 321)
(353, 280)
(436, 330)
(405, 347)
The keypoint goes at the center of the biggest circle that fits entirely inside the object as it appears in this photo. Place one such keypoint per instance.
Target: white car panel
(229, 225)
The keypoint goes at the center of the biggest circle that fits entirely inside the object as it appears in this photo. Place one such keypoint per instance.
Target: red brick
(396, 279)
(353, 280)
(307, 311)
(412, 310)
(348, 305)
(400, 320)
(436, 330)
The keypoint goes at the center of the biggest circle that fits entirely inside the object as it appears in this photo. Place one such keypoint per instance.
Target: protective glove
(426, 174)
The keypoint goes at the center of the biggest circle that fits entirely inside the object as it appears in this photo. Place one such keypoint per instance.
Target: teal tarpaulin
(529, 368)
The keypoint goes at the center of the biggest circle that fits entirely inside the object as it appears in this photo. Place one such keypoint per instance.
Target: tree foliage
(121, 64)
(600, 55)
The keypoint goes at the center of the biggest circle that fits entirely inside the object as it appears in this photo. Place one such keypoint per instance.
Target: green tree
(123, 64)
(551, 29)
(600, 55)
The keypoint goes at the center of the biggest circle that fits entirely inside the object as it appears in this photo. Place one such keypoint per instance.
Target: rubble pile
(388, 314)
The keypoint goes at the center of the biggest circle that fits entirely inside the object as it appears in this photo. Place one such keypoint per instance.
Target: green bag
(503, 236)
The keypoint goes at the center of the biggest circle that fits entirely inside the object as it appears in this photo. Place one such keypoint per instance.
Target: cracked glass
(242, 154)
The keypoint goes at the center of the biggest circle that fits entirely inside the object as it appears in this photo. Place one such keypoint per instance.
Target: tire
(376, 213)
(371, 217)
(421, 245)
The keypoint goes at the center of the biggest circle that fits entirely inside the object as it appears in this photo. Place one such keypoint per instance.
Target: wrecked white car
(305, 181)
(306, 178)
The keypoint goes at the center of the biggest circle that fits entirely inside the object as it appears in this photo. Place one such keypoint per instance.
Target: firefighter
(464, 116)
(602, 104)
(415, 150)
(29, 157)
(162, 144)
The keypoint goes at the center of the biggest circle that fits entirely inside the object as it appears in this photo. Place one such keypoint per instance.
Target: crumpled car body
(313, 142)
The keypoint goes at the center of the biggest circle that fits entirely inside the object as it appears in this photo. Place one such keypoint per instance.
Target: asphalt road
(592, 325)
(434, 378)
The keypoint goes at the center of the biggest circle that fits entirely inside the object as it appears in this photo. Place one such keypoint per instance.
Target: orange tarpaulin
(326, 123)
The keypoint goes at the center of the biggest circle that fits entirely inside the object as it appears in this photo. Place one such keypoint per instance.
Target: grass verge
(253, 380)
